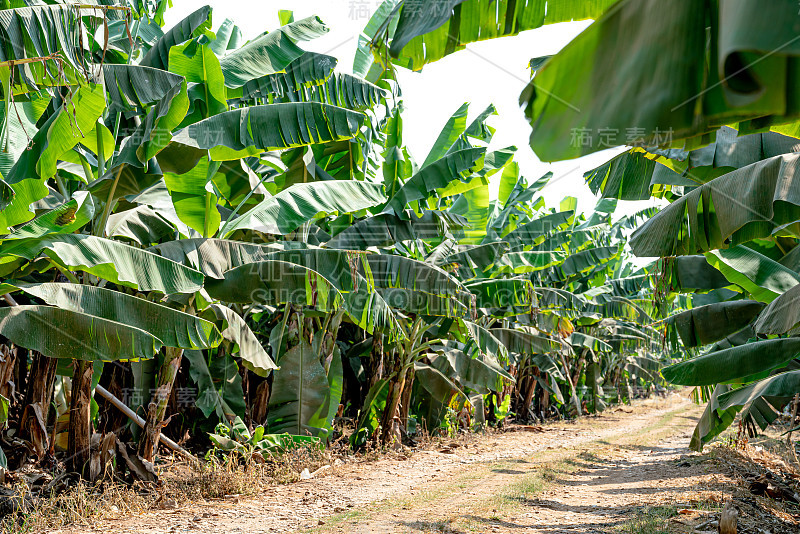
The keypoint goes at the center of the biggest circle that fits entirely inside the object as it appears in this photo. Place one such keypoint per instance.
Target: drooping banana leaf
(423, 303)
(290, 208)
(270, 53)
(475, 373)
(141, 225)
(309, 70)
(636, 174)
(252, 353)
(192, 26)
(40, 31)
(527, 262)
(219, 384)
(530, 233)
(69, 217)
(487, 344)
(173, 328)
(763, 278)
(390, 271)
(387, 229)
(731, 364)
(274, 282)
(112, 261)
(693, 274)
(250, 131)
(67, 334)
(214, 257)
(742, 74)
(515, 293)
(707, 324)
(588, 259)
(713, 421)
(454, 166)
(473, 261)
(523, 342)
(740, 206)
(781, 385)
(299, 390)
(345, 91)
(427, 31)
(579, 339)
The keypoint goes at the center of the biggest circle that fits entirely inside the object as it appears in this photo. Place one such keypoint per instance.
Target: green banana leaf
(309, 70)
(782, 314)
(173, 328)
(43, 30)
(244, 132)
(514, 293)
(455, 126)
(762, 278)
(194, 204)
(694, 274)
(781, 385)
(110, 260)
(141, 225)
(389, 271)
(423, 303)
(528, 262)
(345, 91)
(428, 31)
(740, 206)
(530, 233)
(474, 260)
(290, 208)
(579, 339)
(270, 53)
(523, 342)
(194, 25)
(250, 350)
(69, 217)
(214, 257)
(742, 74)
(299, 392)
(734, 363)
(707, 324)
(487, 344)
(638, 173)
(274, 282)
(62, 333)
(453, 166)
(59, 134)
(387, 229)
(219, 385)
(713, 421)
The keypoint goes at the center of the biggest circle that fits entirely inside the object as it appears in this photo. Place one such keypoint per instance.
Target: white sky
(487, 72)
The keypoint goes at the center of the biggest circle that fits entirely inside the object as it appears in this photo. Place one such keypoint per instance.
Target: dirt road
(588, 476)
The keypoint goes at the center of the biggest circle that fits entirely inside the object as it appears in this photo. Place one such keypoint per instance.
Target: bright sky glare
(488, 72)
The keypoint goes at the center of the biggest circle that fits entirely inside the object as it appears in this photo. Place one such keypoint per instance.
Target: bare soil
(626, 471)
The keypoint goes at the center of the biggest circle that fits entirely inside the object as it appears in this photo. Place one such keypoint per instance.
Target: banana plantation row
(229, 240)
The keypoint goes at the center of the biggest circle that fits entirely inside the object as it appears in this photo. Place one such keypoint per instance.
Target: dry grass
(83, 503)
(650, 520)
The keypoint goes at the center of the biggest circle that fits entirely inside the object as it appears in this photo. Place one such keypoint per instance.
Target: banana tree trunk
(573, 391)
(390, 415)
(405, 399)
(158, 404)
(79, 439)
(36, 405)
(526, 405)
